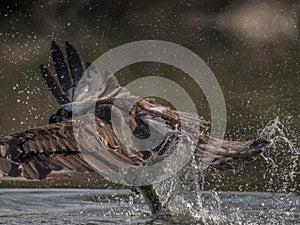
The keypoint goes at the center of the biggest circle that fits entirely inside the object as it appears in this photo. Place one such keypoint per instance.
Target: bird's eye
(62, 112)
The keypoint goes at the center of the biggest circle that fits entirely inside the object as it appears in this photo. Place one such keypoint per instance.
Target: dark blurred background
(251, 46)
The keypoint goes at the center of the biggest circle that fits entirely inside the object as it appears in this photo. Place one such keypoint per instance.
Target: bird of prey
(34, 153)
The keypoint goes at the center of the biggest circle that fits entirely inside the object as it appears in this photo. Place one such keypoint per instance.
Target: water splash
(278, 134)
(184, 193)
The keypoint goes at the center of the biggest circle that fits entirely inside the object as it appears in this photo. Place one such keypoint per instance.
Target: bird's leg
(152, 198)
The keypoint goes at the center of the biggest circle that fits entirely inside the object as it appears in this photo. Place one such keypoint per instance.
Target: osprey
(34, 153)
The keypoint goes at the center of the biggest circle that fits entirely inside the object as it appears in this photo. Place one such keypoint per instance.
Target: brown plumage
(34, 153)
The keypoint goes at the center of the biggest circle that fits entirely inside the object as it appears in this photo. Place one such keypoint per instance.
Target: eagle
(34, 153)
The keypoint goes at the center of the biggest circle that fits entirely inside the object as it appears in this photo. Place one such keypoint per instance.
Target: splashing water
(277, 134)
(184, 193)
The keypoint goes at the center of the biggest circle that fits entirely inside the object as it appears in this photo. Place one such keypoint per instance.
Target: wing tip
(70, 48)
(54, 46)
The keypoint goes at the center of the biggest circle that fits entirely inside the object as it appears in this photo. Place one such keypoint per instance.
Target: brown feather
(35, 152)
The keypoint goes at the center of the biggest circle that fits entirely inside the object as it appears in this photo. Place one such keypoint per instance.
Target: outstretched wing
(61, 89)
(34, 153)
(68, 78)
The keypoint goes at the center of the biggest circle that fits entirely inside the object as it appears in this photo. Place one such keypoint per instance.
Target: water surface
(108, 206)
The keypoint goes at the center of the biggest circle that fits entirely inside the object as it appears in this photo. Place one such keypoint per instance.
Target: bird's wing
(95, 86)
(34, 153)
(169, 125)
(60, 89)
(67, 76)
(67, 84)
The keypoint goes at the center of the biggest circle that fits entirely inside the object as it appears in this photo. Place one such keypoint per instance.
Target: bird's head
(66, 111)
(63, 113)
